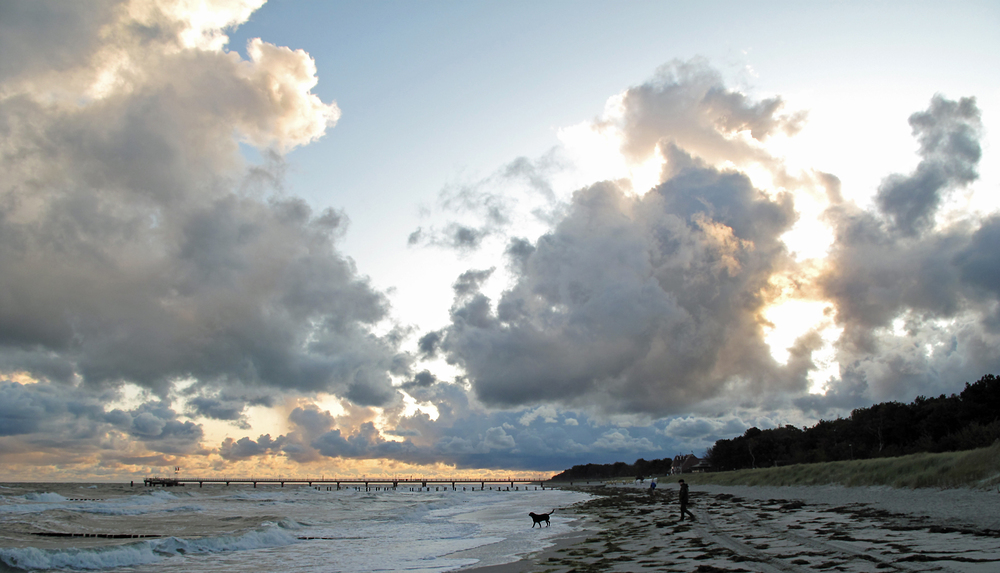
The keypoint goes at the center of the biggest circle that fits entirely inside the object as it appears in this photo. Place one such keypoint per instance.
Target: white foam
(46, 497)
(105, 558)
(411, 531)
(141, 553)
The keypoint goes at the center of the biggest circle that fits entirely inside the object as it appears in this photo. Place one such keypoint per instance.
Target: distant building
(701, 467)
(684, 463)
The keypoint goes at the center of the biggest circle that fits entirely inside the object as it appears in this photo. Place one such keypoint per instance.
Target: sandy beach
(776, 529)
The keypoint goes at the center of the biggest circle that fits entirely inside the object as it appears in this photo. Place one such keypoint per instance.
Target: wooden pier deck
(366, 483)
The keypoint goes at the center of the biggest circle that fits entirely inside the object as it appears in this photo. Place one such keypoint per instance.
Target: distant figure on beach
(652, 485)
(684, 500)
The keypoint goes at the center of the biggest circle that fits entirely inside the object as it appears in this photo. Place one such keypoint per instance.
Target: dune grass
(977, 469)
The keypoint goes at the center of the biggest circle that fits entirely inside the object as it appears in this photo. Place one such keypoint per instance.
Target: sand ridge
(630, 529)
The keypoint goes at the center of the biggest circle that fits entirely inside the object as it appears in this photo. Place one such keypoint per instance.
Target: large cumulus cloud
(135, 245)
(637, 304)
(645, 303)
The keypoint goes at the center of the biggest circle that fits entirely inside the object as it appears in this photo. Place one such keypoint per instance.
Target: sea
(97, 527)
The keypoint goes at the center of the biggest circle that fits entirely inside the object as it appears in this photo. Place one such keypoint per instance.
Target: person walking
(684, 500)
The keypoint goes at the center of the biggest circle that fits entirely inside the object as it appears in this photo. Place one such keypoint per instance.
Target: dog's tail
(551, 512)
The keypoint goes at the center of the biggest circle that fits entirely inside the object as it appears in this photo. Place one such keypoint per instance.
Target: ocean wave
(285, 523)
(46, 497)
(40, 502)
(30, 558)
(141, 553)
(112, 509)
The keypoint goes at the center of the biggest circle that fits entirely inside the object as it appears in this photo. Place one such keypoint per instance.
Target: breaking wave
(143, 552)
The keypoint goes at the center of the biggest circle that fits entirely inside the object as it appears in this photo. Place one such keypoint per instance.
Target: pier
(514, 483)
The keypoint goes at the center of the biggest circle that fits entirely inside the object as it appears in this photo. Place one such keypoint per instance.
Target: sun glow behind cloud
(790, 319)
(596, 152)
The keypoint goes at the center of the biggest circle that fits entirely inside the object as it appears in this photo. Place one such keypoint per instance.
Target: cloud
(948, 133)
(634, 303)
(497, 439)
(59, 418)
(366, 443)
(136, 246)
(547, 413)
(245, 448)
(490, 206)
(688, 105)
(423, 379)
(915, 298)
(647, 303)
(653, 303)
(619, 440)
(49, 35)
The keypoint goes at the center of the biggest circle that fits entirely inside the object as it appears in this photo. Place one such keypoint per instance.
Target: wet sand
(777, 529)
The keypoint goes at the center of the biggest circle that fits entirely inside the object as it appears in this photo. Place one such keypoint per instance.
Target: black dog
(540, 517)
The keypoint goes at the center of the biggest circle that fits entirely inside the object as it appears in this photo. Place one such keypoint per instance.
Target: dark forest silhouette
(962, 421)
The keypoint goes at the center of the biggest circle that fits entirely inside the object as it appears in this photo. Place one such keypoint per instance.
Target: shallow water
(239, 528)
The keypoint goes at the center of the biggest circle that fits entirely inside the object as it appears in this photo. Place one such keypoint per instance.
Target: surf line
(101, 535)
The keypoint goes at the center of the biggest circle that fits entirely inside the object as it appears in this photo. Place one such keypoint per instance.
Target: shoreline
(531, 561)
(786, 528)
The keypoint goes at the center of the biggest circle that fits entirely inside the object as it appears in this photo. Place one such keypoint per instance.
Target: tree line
(964, 421)
(640, 468)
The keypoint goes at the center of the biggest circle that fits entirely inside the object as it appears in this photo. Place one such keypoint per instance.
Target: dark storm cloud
(422, 379)
(58, 416)
(979, 261)
(367, 443)
(157, 426)
(895, 267)
(470, 282)
(428, 344)
(245, 448)
(134, 247)
(27, 409)
(518, 253)
(229, 404)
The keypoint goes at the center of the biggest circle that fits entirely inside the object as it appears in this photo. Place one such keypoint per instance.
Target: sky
(447, 238)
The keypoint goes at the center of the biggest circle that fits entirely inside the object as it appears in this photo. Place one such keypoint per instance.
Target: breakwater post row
(345, 482)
